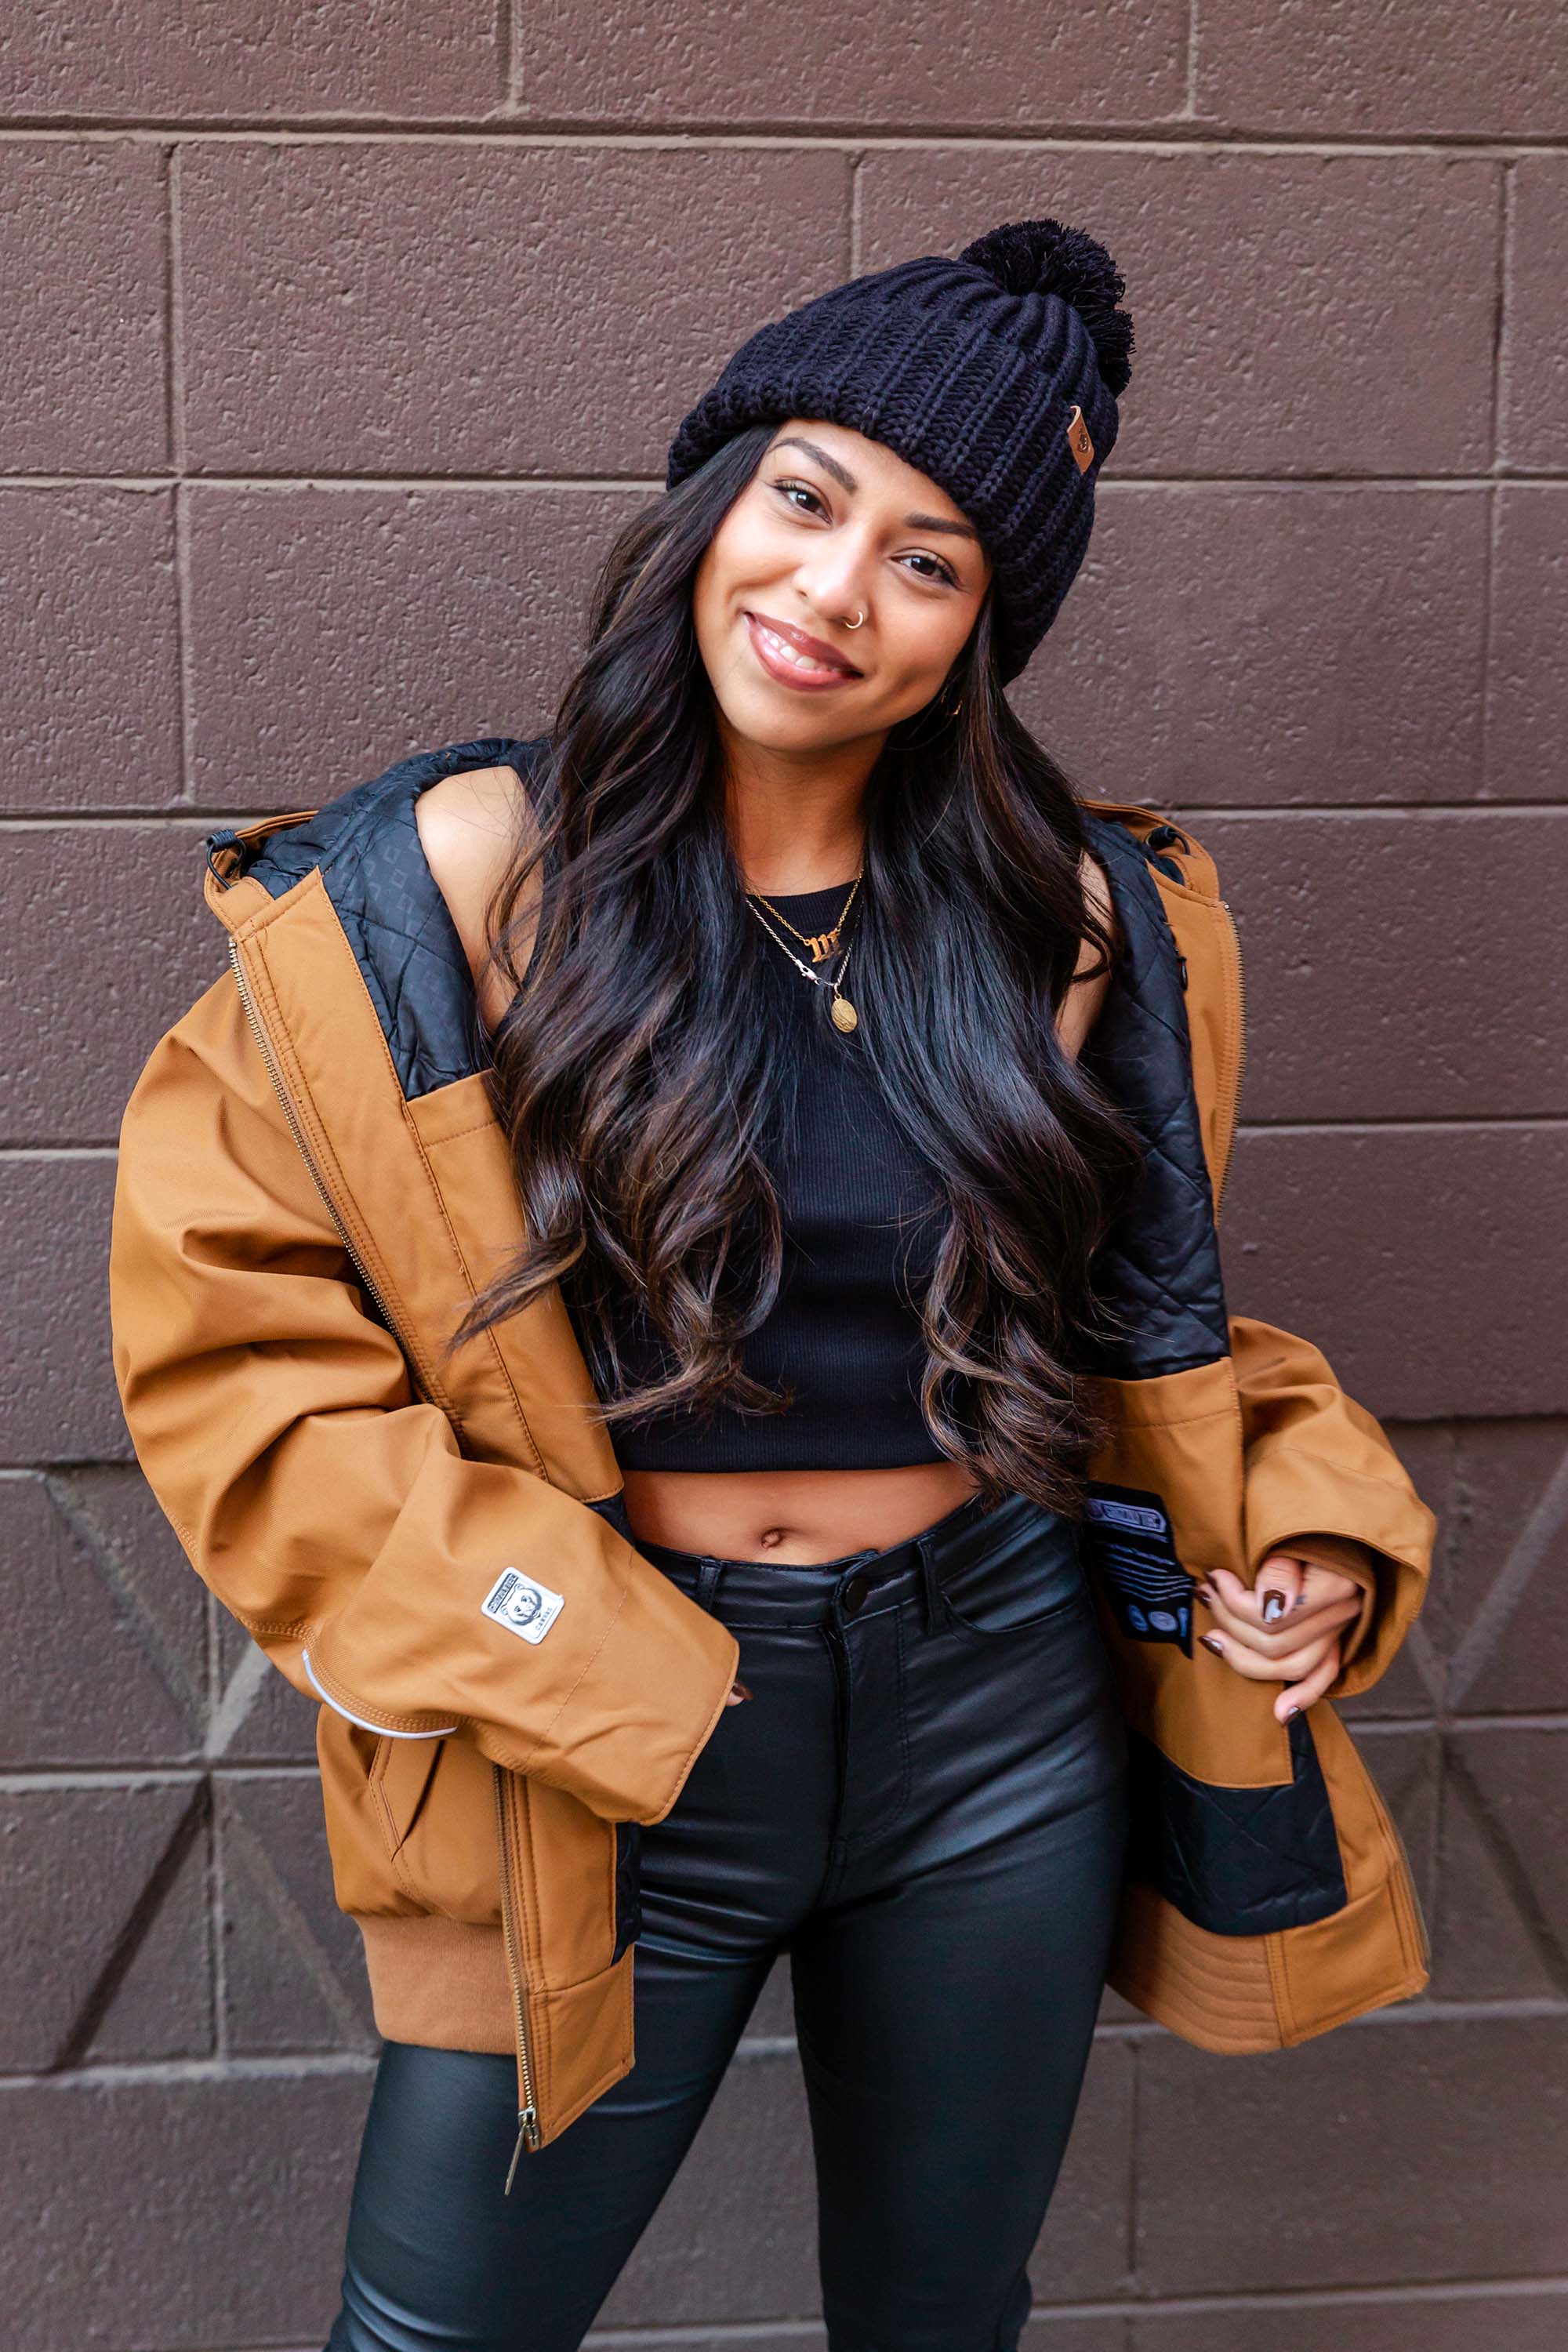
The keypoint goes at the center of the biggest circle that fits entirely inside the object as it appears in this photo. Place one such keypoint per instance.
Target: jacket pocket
(431, 1799)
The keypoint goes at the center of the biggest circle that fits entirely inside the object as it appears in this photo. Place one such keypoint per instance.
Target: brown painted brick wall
(338, 340)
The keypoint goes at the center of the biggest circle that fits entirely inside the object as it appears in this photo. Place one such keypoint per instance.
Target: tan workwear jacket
(313, 1185)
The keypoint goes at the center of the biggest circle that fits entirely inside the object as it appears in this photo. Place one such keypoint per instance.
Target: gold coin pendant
(845, 1016)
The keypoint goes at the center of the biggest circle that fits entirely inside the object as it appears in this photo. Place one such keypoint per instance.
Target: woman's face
(832, 525)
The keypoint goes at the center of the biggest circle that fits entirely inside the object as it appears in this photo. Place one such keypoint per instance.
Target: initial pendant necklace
(822, 944)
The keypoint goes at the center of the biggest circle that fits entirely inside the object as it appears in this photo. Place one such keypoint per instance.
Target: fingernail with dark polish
(1291, 1711)
(1211, 1642)
(1273, 1605)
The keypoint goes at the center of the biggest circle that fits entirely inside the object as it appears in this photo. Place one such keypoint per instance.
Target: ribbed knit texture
(969, 369)
(844, 1330)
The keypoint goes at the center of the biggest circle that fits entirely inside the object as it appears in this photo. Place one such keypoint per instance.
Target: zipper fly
(528, 2134)
(528, 2113)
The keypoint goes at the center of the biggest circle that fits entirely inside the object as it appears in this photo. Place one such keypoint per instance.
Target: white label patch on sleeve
(523, 1607)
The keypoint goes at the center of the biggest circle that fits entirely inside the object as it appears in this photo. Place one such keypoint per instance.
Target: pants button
(853, 1597)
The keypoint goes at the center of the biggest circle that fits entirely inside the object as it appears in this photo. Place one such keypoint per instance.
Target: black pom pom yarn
(1043, 256)
(970, 368)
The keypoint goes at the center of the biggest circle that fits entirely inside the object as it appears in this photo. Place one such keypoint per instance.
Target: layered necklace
(824, 946)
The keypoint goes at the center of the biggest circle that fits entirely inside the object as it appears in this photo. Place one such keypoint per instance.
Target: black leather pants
(924, 1804)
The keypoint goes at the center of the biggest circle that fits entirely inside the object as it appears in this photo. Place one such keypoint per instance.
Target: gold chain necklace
(822, 944)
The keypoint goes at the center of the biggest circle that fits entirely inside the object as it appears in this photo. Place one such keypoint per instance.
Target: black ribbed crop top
(863, 1218)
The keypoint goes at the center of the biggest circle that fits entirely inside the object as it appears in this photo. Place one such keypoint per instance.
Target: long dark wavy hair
(634, 1071)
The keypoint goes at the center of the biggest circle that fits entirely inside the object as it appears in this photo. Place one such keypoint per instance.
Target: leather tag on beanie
(1078, 441)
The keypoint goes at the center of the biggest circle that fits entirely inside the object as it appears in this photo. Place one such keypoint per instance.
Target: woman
(782, 959)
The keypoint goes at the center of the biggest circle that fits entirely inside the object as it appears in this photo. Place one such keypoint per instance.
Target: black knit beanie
(995, 374)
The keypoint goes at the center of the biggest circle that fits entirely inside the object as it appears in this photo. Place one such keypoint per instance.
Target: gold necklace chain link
(844, 1015)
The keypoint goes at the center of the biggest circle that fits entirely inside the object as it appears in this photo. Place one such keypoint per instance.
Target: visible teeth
(793, 654)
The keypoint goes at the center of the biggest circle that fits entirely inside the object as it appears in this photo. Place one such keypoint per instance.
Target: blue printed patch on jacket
(1127, 1536)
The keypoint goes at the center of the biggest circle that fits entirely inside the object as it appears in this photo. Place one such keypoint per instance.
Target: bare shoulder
(1097, 886)
(473, 827)
(1080, 1008)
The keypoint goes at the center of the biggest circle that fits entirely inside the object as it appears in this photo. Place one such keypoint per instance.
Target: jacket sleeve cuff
(1347, 1556)
(1392, 1594)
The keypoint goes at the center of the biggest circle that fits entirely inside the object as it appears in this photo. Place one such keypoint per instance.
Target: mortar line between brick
(721, 137)
(185, 615)
(1194, 36)
(809, 2331)
(1507, 226)
(218, 1947)
(171, 2072)
(509, 57)
(171, 339)
(329, 482)
(57, 1779)
(1134, 2173)
(1287, 2299)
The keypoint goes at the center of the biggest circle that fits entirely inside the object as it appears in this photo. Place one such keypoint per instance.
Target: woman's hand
(1286, 1629)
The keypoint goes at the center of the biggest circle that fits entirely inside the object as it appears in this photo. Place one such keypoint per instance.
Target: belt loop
(933, 1598)
(708, 1574)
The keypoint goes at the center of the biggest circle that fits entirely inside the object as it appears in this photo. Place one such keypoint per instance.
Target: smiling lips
(787, 654)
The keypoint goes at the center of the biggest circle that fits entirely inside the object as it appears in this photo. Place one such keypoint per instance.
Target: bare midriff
(796, 1516)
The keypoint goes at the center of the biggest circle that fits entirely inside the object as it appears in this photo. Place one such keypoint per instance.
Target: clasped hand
(1293, 1638)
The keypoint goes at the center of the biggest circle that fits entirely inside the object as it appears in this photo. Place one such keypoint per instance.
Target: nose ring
(854, 624)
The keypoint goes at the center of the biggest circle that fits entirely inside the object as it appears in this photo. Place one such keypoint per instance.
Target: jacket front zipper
(1240, 1052)
(528, 2133)
(264, 1045)
(528, 2113)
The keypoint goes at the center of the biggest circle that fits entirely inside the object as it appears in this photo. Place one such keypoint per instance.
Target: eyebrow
(847, 481)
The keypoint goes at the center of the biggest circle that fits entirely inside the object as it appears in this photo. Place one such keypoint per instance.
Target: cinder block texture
(98, 1878)
(402, 618)
(58, 1398)
(1349, 329)
(105, 1661)
(1007, 65)
(91, 640)
(404, 58)
(1501, 1922)
(293, 1968)
(1416, 71)
(1424, 1260)
(368, 309)
(223, 2223)
(1391, 2153)
(83, 259)
(1233, 644)
(1501, 1615)
(1388, 974)
(1535, 422)
(1527, 676)
(84, 1024)
(1457, 2320)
